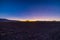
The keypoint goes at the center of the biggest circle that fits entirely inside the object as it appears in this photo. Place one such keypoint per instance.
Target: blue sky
(30, 9)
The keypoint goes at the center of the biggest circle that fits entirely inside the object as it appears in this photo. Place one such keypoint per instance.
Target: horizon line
(30, 19)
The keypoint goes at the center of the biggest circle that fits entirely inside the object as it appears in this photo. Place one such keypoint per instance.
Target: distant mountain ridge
(5, 20)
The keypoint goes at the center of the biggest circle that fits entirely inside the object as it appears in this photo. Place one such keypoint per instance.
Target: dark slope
(15, 30)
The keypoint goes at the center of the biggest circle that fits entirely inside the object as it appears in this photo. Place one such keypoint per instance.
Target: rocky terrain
(39, 30)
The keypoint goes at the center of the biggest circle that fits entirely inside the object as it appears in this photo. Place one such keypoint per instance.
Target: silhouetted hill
(3, 20)
(39, 30)
(6, 20)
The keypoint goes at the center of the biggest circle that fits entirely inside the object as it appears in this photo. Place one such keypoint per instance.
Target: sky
(43, 10)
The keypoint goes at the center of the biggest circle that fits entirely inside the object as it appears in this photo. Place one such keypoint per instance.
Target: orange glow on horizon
(35, 19)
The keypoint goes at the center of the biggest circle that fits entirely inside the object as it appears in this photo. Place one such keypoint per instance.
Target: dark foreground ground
(30, 30)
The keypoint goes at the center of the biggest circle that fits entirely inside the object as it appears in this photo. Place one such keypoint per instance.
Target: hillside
(39, 30)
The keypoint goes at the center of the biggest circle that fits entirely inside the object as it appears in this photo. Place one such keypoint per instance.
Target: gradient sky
(30, 9)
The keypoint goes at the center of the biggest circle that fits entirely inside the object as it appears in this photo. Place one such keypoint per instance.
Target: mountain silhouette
(6, 20)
